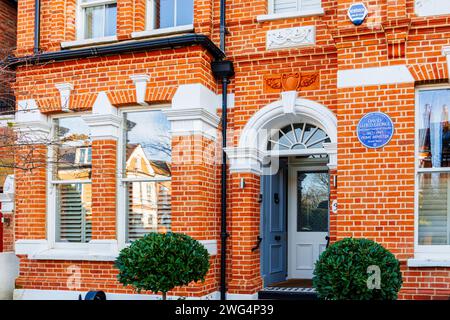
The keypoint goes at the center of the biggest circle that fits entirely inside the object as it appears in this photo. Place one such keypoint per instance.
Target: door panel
(274, 233)
(308, 214)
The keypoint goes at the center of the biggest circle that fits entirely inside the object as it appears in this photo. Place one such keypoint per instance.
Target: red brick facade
(374, 188)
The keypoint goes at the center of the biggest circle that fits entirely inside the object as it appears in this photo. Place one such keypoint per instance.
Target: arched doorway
(291, 143)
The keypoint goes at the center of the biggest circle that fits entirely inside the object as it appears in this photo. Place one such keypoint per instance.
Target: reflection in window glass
(73, 143)
(434, 133)
(99, 20)
(434, 155)
(313, 201)
(72, 162)
(147, 164)
(173, 13)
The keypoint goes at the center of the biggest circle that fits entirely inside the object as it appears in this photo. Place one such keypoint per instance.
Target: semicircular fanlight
(298, 136)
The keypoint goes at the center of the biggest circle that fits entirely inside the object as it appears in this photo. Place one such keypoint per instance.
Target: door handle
(257, 244)
(277, 238)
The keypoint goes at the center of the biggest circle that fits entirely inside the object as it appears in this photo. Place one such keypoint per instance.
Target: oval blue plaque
(375, 130)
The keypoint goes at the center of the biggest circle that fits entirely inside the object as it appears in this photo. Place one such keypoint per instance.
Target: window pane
(148, 145)
(72, 140)
(164, 13)
(310, 5)
(94, 23)
(148, 208)
(185, 12)
(111, 20)
(434, 129)
(312, 201)
(74, 218)
(434, 208)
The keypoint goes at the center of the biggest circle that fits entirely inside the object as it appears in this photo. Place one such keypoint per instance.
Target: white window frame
(122, 223)
(80, 22)
(271, 15)
(441, 252)
(432, 9)
(149, 24)
(51, 191)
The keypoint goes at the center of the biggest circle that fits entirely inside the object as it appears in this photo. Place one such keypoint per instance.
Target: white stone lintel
(103, 127)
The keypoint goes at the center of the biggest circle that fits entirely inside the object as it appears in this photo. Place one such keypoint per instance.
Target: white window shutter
(282, 6)
(307, 5)
(73, 225)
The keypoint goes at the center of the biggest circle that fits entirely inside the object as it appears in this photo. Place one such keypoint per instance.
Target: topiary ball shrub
(357, 269)
(160, 262)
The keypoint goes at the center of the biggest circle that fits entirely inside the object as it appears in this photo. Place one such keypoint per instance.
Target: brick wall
(375, 188)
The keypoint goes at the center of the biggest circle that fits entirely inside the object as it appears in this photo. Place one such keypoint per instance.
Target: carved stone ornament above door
(291, 81)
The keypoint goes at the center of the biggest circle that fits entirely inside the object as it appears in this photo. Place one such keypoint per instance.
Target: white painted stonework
(65, 90)
(140, 81)
(104, 122)
(31, 125)
(291, 37)
(446, 53)
(30, 294)
(194, 111)
(374, 76)
(9, 271)
(432, 7)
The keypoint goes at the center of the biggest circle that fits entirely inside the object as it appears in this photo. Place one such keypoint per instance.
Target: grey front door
(274, 233)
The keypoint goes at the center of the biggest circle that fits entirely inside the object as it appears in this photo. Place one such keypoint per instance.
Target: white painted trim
(32, 294)
(64, 91)
(374, 76)
(288, 15)
(430, 253)
(140, 81)
(425, 8)
(252, 149)
(194, 111)
(95, 250)
(446, 53)
(427, 263)
(163, 31)
(238, 296)
(88, 42)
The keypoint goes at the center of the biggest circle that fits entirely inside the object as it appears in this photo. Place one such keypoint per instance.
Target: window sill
(88, 42)
(162, 32)
(287, 15)
(427, 263)
(73, 254)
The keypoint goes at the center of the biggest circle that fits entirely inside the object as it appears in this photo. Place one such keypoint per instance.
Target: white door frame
(292, 211)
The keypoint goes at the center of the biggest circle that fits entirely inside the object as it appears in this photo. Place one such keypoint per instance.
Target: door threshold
(293, 283)
(287, 293)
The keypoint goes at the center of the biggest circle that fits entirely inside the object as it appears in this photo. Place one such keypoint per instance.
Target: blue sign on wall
(357, 13)
(375, 130)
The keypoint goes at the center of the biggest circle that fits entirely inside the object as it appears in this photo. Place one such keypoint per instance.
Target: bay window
(71, 180)
(162, 14)
(145, 177)
(98, 19)
(433, 168)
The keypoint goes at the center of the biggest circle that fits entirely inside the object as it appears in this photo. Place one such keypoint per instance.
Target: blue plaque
(357, 13)
(375, 130)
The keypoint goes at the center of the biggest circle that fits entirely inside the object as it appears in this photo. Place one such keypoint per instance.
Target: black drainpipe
(37, 26)
(223, 70)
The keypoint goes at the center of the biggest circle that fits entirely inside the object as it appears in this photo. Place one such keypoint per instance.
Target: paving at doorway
(294, 283)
